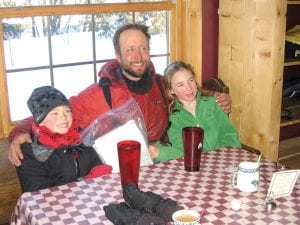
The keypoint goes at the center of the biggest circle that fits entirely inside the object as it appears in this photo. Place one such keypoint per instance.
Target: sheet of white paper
(282, 183)
(106, 145)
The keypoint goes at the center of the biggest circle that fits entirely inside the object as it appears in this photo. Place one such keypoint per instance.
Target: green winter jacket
(218, 130)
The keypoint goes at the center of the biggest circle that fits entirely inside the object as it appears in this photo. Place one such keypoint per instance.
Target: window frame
(185, 34)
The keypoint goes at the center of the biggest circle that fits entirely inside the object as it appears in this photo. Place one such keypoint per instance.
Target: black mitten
(166, 208)
(150, 202)
(121, 214)
(150, 219)
(140, 200)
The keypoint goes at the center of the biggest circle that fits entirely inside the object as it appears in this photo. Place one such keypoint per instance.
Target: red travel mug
(192, 138)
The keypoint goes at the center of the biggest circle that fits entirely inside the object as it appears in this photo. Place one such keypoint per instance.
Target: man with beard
(131, 75)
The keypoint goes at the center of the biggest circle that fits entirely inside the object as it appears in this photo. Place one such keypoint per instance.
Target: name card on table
(282, 183)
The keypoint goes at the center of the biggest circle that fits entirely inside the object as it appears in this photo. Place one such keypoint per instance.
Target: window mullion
(50, 50)
(94, 48)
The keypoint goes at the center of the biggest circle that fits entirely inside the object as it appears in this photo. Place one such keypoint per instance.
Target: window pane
(25, 42)
(157, 23)
(104, 49)
(160, 63)
(148, 0)
(158, 44)
(13, 3)
(20, 86)
(105, 27)
(72, 39)
(109, 1)
(73, 79)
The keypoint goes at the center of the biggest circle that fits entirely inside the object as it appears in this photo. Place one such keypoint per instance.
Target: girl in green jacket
(189, 108)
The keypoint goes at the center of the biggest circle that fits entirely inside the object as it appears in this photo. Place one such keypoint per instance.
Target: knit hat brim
(43, 100)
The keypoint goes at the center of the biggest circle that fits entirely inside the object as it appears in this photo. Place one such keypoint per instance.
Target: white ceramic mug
(246, 178)
(186, 217)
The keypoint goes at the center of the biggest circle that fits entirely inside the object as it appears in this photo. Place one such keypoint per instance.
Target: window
(59, 21)
(66, 47)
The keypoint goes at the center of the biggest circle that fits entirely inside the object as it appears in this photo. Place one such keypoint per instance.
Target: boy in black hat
(56, 155)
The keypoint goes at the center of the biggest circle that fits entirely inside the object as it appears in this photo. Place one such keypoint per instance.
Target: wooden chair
(216, 84)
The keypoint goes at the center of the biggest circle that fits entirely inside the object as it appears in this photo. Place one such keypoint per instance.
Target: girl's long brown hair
(168, 76)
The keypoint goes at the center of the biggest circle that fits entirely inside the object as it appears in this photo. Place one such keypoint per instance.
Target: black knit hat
(43, 100)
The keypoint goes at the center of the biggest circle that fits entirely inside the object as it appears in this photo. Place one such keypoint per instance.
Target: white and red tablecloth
(209, 189)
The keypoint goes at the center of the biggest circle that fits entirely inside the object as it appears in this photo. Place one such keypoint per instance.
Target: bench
(10, 188)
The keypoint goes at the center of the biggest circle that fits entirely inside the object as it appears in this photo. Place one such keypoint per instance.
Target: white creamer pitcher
(246, 178)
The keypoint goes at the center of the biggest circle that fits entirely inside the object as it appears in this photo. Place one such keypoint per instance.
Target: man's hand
(224, 101)
(15, 154)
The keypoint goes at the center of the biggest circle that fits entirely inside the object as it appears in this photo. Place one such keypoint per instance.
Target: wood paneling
(186, 34)
(251, 40)
(194, 36)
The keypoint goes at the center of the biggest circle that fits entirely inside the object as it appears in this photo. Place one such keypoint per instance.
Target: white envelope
(106, 145)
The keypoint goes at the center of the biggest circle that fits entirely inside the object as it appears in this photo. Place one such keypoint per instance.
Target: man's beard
(126, 68)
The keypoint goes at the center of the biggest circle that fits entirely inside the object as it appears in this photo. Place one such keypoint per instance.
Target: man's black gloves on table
(150, 202)
(122, 214)
(145, 208)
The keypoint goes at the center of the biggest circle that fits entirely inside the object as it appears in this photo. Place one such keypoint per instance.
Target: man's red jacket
(91, 103)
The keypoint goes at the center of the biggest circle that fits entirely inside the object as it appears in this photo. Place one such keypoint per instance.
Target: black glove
(121, 214)
(150, 202)
(140, 200)
(166, 208)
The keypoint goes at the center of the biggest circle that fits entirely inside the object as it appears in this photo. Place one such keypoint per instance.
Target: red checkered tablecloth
(208, 189)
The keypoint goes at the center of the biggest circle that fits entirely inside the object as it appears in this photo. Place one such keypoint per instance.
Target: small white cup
(186, 217)
(246, 176)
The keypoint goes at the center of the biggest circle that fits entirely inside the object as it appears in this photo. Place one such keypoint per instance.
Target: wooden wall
(251, 47)
(186, 36)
